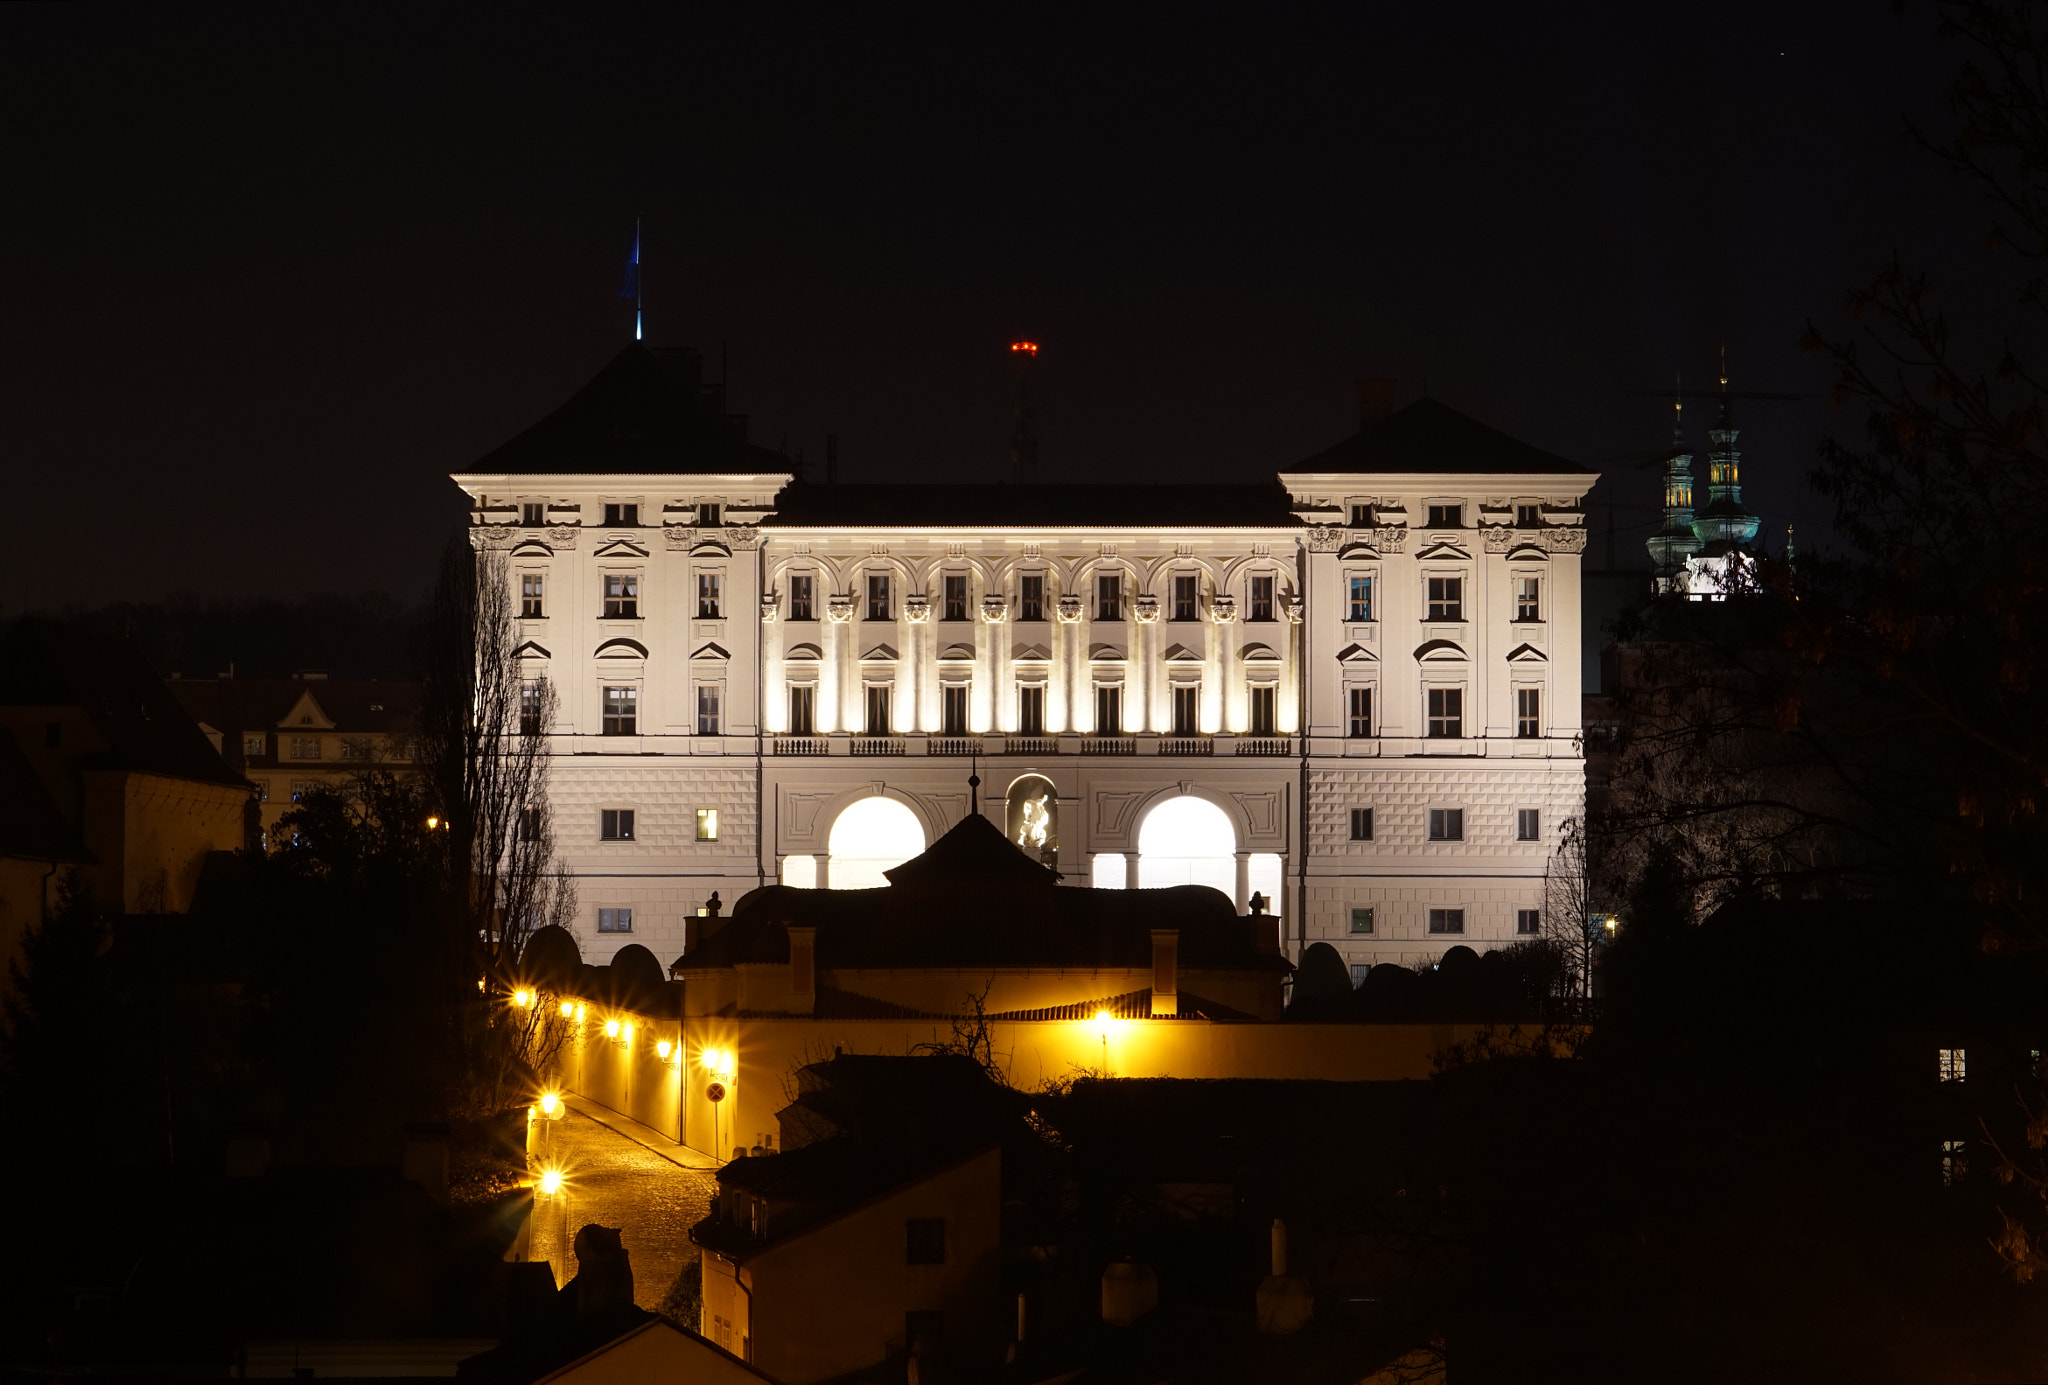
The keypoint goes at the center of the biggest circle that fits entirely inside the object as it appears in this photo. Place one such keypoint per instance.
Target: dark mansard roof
(648, 412)
(1432, 436)
(807, 505)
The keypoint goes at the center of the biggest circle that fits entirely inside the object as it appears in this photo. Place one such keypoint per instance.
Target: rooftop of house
(31, 827)
(648, 412)
(1258, 506)
(974, 899)
(1430, 436)
(363, 706)
(45, 664)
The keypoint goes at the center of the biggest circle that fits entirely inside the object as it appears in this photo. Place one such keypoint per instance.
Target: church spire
(1671, 545)
(1724, 525)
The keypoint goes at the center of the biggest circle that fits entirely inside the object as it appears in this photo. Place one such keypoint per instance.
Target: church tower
(1676, 541)
(1724, 527)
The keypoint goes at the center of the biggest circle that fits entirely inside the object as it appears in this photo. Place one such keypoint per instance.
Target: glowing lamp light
(611, 1029)
(522, 998)
(579, 1014)
(433, 823)
(549, 1103)
(662, 1048)
(1024, 348)
(568, 1009)
(550, 1182)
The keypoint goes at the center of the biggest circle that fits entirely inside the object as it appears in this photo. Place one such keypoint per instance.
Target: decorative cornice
(1324, 538)
(995, 609)
(495, 537)
(1565, 539)
(1223, 608)
(917, 609)
(1070, 610)
(563, 536)
(679, 538)
(743, 536)
(1146, 608)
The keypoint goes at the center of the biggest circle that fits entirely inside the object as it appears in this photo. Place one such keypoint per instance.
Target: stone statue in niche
(1034, 819)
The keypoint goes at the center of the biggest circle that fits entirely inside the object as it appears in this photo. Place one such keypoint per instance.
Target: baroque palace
(1351, 691)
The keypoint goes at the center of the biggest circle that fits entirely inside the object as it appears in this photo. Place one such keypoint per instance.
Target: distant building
(1351, 689)
(126, 793)
(287, 735)
(1698, 549)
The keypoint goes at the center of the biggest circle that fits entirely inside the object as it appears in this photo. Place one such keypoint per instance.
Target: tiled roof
(647, 412)
(807, 505)
(1430, 436)
(31, 828)
(834, 1003)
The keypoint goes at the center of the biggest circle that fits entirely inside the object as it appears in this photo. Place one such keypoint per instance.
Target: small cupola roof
(974, 849)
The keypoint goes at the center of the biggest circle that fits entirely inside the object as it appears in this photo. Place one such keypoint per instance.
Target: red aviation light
(1026, 348)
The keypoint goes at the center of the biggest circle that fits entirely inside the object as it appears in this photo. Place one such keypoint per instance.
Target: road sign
(716, 1091)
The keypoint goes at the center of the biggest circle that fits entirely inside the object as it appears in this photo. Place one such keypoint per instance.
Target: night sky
(271, 272)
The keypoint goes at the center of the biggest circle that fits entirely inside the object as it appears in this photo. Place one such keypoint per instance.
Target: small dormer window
(1361, 516)
(1446, 517)
(531, 514)
(709, 514)
(1528, 516)
(621, 514)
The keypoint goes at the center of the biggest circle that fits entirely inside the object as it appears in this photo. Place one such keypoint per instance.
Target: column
(824, 860)
(1244, 882)
(1130, 870)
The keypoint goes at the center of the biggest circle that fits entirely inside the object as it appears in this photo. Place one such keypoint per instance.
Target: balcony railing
(1265, 745)
(1108, 745)
(802, 745)
(879, 745)
(1187, 745)
(1031, 745)
(954, 745)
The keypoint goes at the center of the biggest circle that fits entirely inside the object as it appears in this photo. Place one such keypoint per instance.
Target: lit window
(616, 825)
(531, 514)
(1187, 701)
(803, 702)
(622, 595)
(1446, 920)
(253, 745)
(1446, 517)
(1264, 709)
(956, 597)
(1528, 921)
(1528, 598)
(1185, 605)
(1360, 605)
(1261, 603)
(707, 709)
(621, 516)
(1360, 720)
(707, 824)
(614, 920)
(1362, 919)
(263, 791)
(532, 588)
(1446, 598)
(1528, 713)
(877, 711)
(926, 1241)
(710, 603)
(878, 596)
(1031, 711)
(800, 596)
(300, 788)
(1361, 824)
(1446, 712)
(1109, 709)
(621, 710)
(1528, 824)
(1447, 824)
(1955, 1163)
(953, 709)
(1031, 596)
(1951, 1064)
(1109, 596)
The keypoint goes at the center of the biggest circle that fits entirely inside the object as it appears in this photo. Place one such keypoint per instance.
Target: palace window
(710, 514)
(1185, 604)
(1360, 604)
(709, 593)
(300, 788)
(622, 596)
(1446, 920)
(1359, 722)
(877, 708)
(1446, 598)
(1950, 1063)
(1447, 824)
(800, 597)
(532, 708)
(1528, 516)
(1362, 919)
(1031, 710)
(953, 709)
(1361, 824)
(253, 745)
(621, 516)
(1109, 596)
(1528, 921)
(1528, 825)
(532, 590)
(1528, 712)
(878, 596)
(615, 825)
(614, 920)
(1446, 712)
(528, 825)
(1361, 516)
(803, 709)
(305, 747)
(1263, 709)
(1187, 705)
(1109, 709)
(355, 748)
(707, 824)
(1528, 598)
(621, 710)
(956, 597)
(531, 514)
(1031, 596)
(1446, 517)
(708, 700)
(1260, 606)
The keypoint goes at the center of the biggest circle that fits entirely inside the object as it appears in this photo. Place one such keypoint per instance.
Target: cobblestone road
(610, 1180)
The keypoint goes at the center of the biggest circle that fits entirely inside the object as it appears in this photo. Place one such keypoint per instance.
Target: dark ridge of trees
(342, 634)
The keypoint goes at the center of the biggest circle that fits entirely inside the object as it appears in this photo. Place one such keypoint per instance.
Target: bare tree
(485, 746)
(1570, 923)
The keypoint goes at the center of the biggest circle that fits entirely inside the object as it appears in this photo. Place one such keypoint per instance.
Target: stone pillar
(824, 871)
(1244, 881)
(1130, 870)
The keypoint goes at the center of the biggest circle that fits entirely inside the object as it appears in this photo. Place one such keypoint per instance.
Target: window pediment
(1442, 551)
(957, 652)
(1181, 654)
(533, 548)
(620, 548)
(1356, 654)
(1030, 654)
(881, 653)
(532, 649)
(710, 651)
(1258, 654)
(809, 652)
(1527, 654)
(621, 648)
(1108, 652)
(1441, 652)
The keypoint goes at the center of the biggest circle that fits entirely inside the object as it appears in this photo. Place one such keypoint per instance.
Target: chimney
(1375, 400)
(831, 459)
(1166, 971)
(803, 968)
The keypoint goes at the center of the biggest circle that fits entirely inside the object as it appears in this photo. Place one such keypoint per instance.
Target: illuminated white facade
(744, 661)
